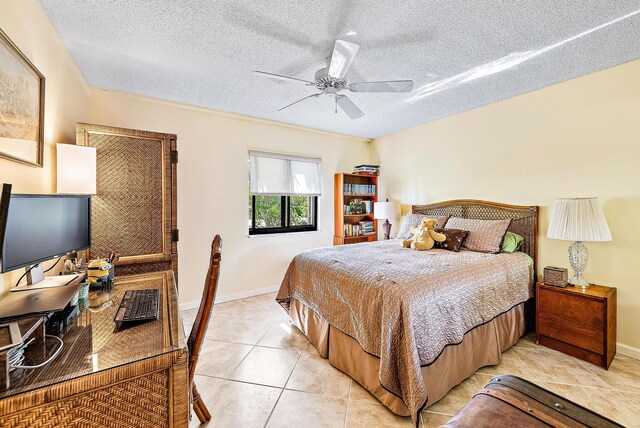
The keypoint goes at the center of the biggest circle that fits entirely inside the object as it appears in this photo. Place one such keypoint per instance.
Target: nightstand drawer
(573, 333)
(579, 309)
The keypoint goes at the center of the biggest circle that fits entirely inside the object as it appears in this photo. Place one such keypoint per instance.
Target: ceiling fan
(331, 80)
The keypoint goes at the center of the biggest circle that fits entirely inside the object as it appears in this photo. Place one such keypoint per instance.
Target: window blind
(277, 174)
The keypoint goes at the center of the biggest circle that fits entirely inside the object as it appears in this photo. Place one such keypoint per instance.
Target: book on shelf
(359, 189)
(351, 230)
(363, 228)
(366, 228)
(359, 208)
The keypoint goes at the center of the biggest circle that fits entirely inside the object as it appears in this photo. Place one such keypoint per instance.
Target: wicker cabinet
(349, 188)
(134, 211)
(579, 322)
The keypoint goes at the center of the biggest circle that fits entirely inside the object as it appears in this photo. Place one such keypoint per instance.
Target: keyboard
(139, 305)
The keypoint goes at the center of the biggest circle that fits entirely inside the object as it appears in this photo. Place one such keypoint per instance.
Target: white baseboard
(628, 351)
(229, 297)
(189, 305)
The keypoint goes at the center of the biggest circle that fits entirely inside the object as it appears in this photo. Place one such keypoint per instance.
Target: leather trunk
(508, 401)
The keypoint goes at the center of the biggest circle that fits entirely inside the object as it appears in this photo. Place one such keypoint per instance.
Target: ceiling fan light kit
(331, 80)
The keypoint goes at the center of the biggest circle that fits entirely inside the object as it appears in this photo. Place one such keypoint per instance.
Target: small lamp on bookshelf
(385, 211)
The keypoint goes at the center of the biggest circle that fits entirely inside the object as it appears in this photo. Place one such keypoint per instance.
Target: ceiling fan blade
(386, 86)
(349, 107)
(284, 78)
(343, 54)
(302, 99)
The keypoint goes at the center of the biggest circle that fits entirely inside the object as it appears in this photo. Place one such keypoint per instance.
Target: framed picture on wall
(21, 106)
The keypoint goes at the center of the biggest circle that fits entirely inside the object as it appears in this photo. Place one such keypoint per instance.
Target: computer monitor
(36, 228)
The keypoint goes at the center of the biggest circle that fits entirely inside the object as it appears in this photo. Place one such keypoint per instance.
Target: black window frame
(285, 218)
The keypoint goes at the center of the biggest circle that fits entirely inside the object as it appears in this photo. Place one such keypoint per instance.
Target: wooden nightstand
(579, 322)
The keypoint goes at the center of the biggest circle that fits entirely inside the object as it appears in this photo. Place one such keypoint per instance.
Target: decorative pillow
(455, 238)
(413, 220)
(484, 236)
(511, 242)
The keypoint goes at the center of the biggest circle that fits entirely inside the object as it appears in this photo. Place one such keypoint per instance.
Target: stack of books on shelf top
(359, 189)
(373, 170)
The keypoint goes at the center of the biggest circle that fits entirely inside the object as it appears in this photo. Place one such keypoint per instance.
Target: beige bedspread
(405, 306)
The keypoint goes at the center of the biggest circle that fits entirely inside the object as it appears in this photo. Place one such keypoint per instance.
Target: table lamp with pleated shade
(579, 220)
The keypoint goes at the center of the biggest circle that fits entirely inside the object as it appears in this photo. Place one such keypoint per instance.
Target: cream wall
(66, 97)
(577, 138)
(213, 186)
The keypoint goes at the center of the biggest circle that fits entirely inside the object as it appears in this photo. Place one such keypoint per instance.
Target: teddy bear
(424, 236)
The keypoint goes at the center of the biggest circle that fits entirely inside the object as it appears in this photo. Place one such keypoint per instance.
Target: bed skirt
(480, 347)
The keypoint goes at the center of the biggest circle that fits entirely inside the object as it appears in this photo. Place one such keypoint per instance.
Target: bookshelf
(350, 188)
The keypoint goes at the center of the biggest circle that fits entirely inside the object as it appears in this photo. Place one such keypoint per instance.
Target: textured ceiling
(460, 54)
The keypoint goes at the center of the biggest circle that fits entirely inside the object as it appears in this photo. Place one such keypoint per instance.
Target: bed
(409, 325)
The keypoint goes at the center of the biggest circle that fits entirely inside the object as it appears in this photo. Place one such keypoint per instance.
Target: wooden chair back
(199, 329)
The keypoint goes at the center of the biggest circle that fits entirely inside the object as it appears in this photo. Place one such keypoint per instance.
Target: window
(283, 193)
(278, 214)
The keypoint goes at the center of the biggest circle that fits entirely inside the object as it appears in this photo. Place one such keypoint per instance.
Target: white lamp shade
(386, 210)
(76, 169)
(578, 219)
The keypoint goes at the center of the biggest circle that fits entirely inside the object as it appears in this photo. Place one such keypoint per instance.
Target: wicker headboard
(524, 219)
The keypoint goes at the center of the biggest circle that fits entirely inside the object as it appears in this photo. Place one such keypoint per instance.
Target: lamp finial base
(578, 257)
(386, 226)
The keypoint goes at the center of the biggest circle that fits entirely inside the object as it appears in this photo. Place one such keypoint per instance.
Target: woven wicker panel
(454, 210)
(134, 269)
(140, 402)
(127, 213)
(524, 220)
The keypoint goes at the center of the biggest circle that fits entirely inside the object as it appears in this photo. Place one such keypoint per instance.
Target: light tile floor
(255, 370)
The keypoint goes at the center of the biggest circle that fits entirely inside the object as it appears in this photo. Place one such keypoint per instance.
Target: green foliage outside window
(268, 211)
(300, 210)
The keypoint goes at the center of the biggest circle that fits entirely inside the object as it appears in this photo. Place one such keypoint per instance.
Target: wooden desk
(135, 377)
